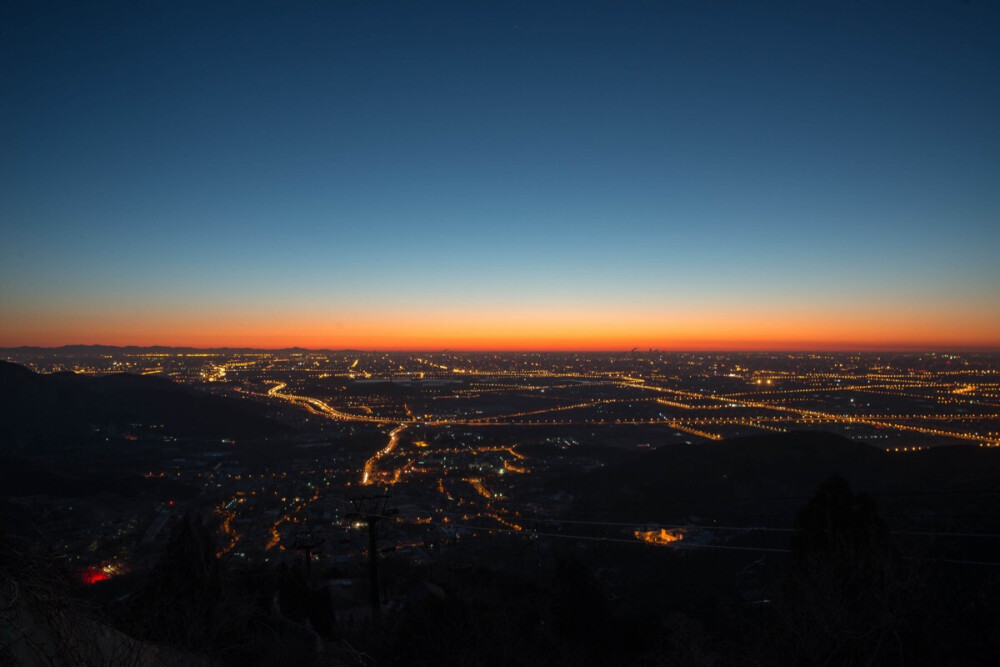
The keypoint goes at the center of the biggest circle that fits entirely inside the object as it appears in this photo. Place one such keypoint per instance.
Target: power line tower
(307, 541)
(371, 507)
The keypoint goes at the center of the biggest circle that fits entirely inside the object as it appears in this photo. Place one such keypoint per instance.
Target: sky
(501, 176)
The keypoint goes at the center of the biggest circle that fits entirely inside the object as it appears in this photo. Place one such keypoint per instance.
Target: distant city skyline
(501, 176)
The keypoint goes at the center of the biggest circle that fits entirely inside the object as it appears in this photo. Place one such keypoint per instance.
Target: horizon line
(873, 349)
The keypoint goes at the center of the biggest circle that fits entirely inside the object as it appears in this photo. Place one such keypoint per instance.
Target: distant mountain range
(67, 405)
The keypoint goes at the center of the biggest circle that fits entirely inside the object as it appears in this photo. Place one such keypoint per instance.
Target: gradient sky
(675, 174)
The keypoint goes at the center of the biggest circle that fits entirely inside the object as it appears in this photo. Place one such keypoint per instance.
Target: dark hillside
(765, 479)
(67, 405)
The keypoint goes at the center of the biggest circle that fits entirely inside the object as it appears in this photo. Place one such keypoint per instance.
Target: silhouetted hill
(21, 477)
(70, 405)
(765, 479)
(103, 350)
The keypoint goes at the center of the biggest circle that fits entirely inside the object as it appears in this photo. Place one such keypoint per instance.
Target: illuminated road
(369, 471)
(322, 408)
(700, 426)
(806, 415)
(288, 516)
(686, 425)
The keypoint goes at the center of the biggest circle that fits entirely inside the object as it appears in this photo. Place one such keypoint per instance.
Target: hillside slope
(67, 405)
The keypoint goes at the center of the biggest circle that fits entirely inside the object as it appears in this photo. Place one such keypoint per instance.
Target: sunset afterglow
(611, 327)
(499, 178)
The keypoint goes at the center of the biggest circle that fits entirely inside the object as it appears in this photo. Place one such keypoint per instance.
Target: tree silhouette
(845, 592)
(179, 603)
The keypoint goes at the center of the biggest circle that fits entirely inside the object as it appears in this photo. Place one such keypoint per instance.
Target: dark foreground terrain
(841, 587)
(798, 548)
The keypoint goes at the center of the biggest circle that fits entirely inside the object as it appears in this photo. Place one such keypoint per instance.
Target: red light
(92, 576)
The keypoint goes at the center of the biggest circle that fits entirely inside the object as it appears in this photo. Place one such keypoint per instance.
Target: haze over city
(507, 176)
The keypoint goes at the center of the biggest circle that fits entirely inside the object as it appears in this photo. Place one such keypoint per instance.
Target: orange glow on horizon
(743, 328)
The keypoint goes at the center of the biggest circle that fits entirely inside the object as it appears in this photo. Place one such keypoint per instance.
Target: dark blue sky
(338, 165)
